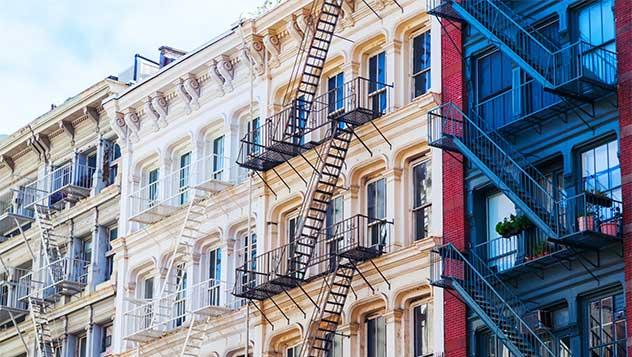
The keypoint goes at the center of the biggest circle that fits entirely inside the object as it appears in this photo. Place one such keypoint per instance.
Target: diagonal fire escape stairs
(579, 71)
(38, 304)
(493, 301)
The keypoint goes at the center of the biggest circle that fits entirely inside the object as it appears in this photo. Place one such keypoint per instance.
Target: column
(393, 321)
(231, 149)
(393, 63)
(97, 178)
(100, 245)
(124, 288)
(350, 345)
(166, 184)
(228, 270)
(197, 167)
(394, 207)
(128, 182)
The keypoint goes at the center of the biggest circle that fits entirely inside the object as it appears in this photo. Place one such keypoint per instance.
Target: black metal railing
(296, 127)
(356, 238)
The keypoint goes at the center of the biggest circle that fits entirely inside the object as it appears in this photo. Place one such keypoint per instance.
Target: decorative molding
(151, 114)
(257, 55)
(379, 5)
(295, 30)
(159, 103)
(347, 15)
(192, 87)
(92, 113)
(8, 162)
(133, 123)
(227, 71)
(183, 95)
(273, 45)
(69, 130)
(213, 73)
(117, 122)
(44, 141)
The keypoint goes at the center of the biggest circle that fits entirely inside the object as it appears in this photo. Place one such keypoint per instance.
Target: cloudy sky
(52, 49)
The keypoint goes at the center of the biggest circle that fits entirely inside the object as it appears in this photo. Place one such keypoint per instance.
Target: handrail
(522, 325)
(450, 106)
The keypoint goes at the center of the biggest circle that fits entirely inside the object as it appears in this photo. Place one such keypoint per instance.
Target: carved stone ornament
(159, 103)
(184, 96)
(151, 114)
(257, 54)
(192, 87)
(133, 123)
(226, 70)
(273, 45)
(213, 73)
(295, 30)
(347, 14)
(118, 125)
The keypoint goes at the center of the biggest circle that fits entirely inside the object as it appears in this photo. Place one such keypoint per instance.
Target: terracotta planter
(586, 223)
(609, 228)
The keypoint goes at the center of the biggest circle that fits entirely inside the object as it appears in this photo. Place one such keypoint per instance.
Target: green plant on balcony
(513, 225)
(538, 250)
(598, 198)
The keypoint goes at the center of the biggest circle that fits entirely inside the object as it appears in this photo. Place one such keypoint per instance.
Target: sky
(53, 49)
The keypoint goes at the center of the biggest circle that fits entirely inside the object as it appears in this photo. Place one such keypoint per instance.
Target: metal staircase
(451, 129)
(321, 190)
(493, 301)
(326, 318)
(37, 302)
(579, 70)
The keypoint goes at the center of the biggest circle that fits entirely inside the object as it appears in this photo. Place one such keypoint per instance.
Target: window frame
(428, 70)
(376, 221)
(377, 90)
(423, 207)
(429, 316)
(375, 317)
(217, 169)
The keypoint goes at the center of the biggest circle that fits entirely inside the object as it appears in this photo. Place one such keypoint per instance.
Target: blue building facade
(541, 270)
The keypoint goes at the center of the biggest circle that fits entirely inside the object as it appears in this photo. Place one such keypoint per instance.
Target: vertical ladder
(309, 65)
(326, 318)
(321, 190)
(38, 305)
(39, 316)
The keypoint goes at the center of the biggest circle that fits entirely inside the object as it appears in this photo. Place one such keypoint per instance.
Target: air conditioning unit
(539, 320)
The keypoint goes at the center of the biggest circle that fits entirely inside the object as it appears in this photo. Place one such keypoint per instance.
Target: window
(109, 257)
(247, 256)
(181, 295)
(299, 120)
(106, 338)
(422, 185)
(376, 337)
(147, 293)
(494, 83)
(335, 234)
(606, 326)
(185, 173)
(501, 252)
(153, 186)
(293, 351)
(377, 82)
(112, 154)
(421, 331)
(254, 136)
(421, 64)
(218, 158)
(376, 211)
(601, 170)
(81, 346)
(215, 276)
(595, 24)
(85, 257)
(291, 234)
(488, 345)
(336, 347)
(335, 92)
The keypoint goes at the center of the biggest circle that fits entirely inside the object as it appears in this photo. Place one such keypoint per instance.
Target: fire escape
(578, 73)
(331, 253)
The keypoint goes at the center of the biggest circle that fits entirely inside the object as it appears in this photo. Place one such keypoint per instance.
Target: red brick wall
(623, 18)
(454, 228)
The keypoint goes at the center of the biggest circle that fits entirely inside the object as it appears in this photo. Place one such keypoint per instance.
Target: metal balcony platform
(213, 186)
(7, 313)
(587, 239)
(155, 213)
(11, 221)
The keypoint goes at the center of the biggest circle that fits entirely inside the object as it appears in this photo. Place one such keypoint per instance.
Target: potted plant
(598, 198)
(539, 250)
(513, 225)
(586, 222)
(611, 227)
